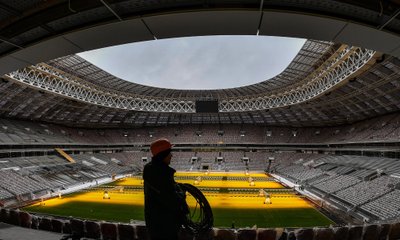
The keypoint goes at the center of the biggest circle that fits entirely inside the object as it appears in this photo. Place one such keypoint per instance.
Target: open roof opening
(198, 63)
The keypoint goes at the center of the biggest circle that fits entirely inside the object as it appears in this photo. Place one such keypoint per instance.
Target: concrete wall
(119, 231)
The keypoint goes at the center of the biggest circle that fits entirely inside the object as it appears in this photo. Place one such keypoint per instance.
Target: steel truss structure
(313, 54)
(344, 63)
(47, 78)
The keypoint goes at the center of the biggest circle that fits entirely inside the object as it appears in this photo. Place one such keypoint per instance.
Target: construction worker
(161, 200)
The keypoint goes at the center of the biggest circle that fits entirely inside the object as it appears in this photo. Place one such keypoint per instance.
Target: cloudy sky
(198, 62)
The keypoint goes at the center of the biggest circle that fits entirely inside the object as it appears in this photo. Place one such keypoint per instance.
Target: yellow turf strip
(217, 200)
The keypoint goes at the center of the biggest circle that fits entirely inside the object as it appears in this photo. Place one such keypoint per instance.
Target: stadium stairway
(107, 230)
(11, 232)
(65, 155)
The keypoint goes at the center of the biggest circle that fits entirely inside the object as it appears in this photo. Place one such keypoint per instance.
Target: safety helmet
(160, 145)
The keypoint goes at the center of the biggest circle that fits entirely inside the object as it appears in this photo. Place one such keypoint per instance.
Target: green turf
(93, 210)
(300, 217)
(297, 217)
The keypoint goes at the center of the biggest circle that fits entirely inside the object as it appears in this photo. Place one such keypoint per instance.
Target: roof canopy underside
(312, 54)
(373, 93)
(35, 31)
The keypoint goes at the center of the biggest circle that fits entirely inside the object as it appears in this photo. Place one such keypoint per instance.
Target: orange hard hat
(160, 145)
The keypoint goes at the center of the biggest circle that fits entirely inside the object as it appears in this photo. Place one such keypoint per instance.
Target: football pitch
(232, 198)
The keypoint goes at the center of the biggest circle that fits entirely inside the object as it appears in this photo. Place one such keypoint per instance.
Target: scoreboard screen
(210, 106)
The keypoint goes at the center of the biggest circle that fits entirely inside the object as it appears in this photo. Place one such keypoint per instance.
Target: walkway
(11, 232)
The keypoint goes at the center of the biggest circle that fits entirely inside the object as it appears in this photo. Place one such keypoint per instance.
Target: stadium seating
(385, 128)
(339, 176)
(367, 191)
(385, 207)
(110, 230)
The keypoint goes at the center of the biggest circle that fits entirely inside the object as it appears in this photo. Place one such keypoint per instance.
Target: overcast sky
(198, 62)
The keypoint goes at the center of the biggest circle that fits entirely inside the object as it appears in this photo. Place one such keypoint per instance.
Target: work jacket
(161, 201)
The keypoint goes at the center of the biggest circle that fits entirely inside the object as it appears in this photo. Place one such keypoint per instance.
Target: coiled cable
(199, 219)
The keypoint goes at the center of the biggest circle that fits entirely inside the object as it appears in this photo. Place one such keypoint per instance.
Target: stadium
(312, 153)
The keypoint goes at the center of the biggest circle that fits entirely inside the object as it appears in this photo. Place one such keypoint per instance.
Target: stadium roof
(198, 63)
(309, 57)
(326, 83)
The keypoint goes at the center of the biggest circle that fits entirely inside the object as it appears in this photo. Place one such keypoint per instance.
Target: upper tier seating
(385, 128)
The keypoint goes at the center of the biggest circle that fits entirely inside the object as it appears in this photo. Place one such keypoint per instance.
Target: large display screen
(209, 106)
